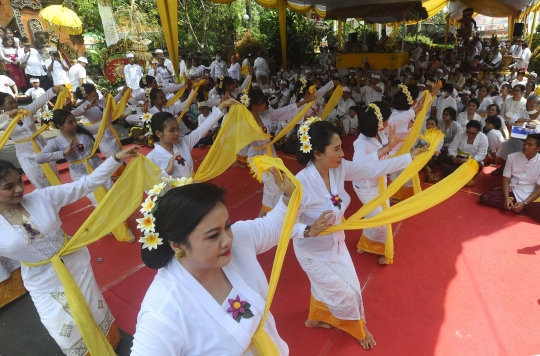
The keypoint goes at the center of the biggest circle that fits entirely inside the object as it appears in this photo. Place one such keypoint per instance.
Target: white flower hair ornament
(304, 84)
(303, 134)
(244, 99)
(147, 92)
(150, 238)
(407, 93)
(221, 77)
(47, 116)
(377, 113)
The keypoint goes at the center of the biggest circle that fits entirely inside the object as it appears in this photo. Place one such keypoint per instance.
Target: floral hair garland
(377, 112)
(405, 91)
(147, 92)
(83, 92)
(303, 133)
(144, 79)
(304, 84)
(47, 116)
(149, 207)
(244, 99)
(221, 77)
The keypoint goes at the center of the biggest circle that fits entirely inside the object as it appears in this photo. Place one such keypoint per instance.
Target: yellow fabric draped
(176, 97)
(264, 344)
(413, 206)
(389, 243)
(168, 14)
(121, 106)
(9, 129)
(61, 98)
(121, 231)
(245, 70)
(238, 130)
(192, 96)
(120, 202)
(332, 102)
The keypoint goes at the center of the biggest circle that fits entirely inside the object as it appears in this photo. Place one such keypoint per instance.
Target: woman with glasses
(469, 143)
(512, 105)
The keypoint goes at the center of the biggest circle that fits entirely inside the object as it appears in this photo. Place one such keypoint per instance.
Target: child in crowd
(350, 122)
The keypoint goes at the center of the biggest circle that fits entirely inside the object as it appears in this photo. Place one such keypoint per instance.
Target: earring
(180, 254)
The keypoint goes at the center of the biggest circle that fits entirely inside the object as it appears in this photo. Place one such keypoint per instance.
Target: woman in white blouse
(469, 143)
(513, 104)
(209, 294)
(31, 232)
(336, 298)
(470, 114)
(483, 100)
(24, 150)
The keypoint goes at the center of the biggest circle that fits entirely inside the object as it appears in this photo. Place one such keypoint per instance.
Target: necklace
(12, 211)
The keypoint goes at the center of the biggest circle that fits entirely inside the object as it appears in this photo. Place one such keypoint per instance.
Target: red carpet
(464, 282)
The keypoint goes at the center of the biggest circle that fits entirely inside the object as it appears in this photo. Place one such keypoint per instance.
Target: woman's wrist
(116, 158)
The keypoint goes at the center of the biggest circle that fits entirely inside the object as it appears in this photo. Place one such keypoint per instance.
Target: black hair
(88, 89)
(495, 121)
(400, 99)
(354, 108)
(532, 83)
(449, 87)
(256, 97)
(3, 97)
(153, 93)
(4, 42)
(59, 118)
(6, 168)
(507, 86)
(475, 102)
(223, 84)
(320, 134)
(159, 122)
(368, 123)
(146, 81)
(496, 107)
(433, 119)
(188, 204)
(298, 86)
(474, 124)
(535, 137)
(520, 87)
(520, 72)
(452, 112)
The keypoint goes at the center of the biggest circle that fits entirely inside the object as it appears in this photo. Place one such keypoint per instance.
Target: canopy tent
(325, 8)
(381, 13)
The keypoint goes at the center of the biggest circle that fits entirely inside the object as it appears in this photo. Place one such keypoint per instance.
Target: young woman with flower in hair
(24, 150)
(31, 232)
(257, 103)
(336, 298)
(92, 109)
(209, 294)
(172, 152)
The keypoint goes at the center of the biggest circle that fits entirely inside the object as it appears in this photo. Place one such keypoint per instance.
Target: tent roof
(381, 13)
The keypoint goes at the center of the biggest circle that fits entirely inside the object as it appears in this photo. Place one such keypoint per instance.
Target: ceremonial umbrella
(60, 18)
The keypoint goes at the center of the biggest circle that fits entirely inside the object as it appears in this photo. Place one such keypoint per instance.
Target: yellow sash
(332, 102)
(192, 96)
(120, 202)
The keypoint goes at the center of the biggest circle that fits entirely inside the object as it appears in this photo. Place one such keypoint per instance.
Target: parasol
(62, 20)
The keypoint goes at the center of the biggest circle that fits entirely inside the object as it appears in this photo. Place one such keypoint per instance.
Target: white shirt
(234, 71)
(5, 84)
(260, 67)
(370, 95)
(160, 156)
(34, 93)
(34, 63)
(218, 68)
(442, 103)
(166, 327)
(133, 73)
(525, 58)
(517, 81)
(510, 106)
(75, 73)
(495, 140)
(59, 75)
(477, 150)
(463, 119)
(524, 174)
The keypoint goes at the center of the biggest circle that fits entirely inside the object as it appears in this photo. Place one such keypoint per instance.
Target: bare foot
(383, 261)
(359, 250)
(317, 324)
(239, 164)
(131, 236)
(368, 342)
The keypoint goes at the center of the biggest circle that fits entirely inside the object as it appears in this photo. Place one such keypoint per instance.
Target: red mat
(465, 279)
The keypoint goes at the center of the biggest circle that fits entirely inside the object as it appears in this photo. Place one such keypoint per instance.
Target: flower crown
(407, 93)
(377, 112)
(244, 98)
(83, 92)
(303, 133)
(146, 119)
(149, 207)
(304, 83)
(144, 79)
(221, 77)
(147, 92)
